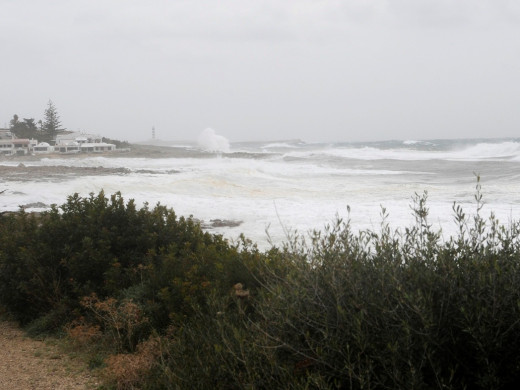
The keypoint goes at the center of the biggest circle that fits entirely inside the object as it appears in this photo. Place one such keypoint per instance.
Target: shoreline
(133, 151)
(25, 172)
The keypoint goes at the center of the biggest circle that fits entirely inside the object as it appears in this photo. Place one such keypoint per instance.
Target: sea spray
(210, 141)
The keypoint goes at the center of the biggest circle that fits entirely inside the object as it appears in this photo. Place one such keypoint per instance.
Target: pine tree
(51, 122)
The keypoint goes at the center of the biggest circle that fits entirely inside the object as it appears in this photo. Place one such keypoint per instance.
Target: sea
(270, 190)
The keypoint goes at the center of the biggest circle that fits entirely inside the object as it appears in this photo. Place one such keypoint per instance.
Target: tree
(51, 122)
(15, 121)
(25, 129)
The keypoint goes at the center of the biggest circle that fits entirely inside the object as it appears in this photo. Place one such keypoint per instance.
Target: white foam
(279, 145)
(504, 150)
(414, 142)
(210, 141)
(480, 151)
(302, 193)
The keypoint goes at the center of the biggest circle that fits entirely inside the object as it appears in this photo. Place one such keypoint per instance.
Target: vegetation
(160, 304)
(48, 128)
(51, 125)
(25, 129)
(45, 130)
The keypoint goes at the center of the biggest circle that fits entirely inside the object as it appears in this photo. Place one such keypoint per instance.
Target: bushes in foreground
(179, 308)
(106, 248)
(370, 310)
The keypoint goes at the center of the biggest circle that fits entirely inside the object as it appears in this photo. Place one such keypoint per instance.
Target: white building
(9, 145)
(76, 142)
(70, 147)
(69, 143)
(5, 134)
(97, 147)
(81, 138)
(6, 146)
(43, 147)
(22, 145)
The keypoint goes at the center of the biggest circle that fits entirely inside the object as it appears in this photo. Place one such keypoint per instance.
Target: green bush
(334, 309)
(104, 246)
(371, 310)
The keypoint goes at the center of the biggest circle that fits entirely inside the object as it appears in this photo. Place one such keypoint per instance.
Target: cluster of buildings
(69, 143)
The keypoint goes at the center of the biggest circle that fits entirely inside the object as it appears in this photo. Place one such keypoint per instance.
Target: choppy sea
(293, 185)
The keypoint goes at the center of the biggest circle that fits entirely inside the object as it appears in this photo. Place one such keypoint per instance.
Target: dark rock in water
(36, 205)
(168, 172)
(216, 223)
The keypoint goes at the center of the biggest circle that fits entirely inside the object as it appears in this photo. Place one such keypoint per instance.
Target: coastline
(61, 173)
(23, 172)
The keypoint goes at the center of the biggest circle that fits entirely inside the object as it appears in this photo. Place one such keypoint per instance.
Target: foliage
(174, 307)
(25, 129)
(104, 246)
(45, 130)
(370, 310)
(51, 125)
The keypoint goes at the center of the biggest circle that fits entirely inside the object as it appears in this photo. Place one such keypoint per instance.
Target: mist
(316, 71)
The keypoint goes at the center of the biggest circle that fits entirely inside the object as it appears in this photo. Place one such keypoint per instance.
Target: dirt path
(27, 364)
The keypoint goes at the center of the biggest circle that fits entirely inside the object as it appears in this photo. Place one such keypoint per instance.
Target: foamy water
(293, 185)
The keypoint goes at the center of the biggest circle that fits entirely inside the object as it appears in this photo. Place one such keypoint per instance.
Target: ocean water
(275, 187)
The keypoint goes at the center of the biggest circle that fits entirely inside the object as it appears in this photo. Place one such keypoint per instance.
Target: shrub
(334, 309)
(369, 310)
(130, 371)
(104, 246)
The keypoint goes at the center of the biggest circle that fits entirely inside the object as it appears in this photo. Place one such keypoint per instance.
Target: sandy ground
(27, 364)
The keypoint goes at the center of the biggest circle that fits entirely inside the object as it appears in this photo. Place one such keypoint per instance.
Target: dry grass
(128, 371)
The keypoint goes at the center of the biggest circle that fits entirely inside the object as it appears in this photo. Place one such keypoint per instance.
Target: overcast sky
(321, 70)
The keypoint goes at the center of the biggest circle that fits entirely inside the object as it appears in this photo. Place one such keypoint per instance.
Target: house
(97, 147)
(5, 134)
(43, 147)
(68, 143)
(74, 136)
(75, 142)
(6, 146)
(9, 145)
(22, 145)
(71, 147)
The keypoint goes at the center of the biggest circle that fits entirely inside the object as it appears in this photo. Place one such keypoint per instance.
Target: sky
(259, 70)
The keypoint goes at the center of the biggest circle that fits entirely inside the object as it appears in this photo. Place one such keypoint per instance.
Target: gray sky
(321, 70)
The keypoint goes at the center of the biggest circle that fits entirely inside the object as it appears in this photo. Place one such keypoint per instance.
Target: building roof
(97, 144)
(76, 135)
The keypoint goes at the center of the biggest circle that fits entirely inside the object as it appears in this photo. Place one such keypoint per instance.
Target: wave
(308, 182)
(414, 142)
(504, 150)
(508, 150)
(279, 145)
